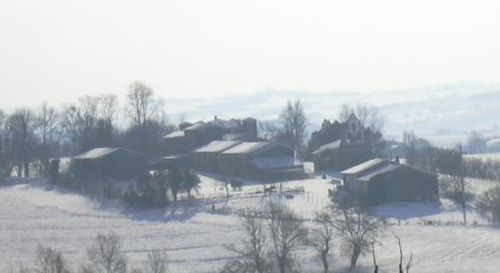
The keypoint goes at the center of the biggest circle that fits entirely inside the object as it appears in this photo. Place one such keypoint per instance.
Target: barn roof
(96, 153)
(197, 126)
(367, 166)
(371, 168)
(379, 170)
(217, 146)
(175, 134)
(329, 146)
(247, 147)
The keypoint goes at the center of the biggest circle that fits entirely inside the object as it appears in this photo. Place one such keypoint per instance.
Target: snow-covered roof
(267, 163)
(329, 146)
(196, 126)
(366, 166)
(96, 153)
(380, 170)
(239, 136)
(216, 146)
(226, 124)
(246, 147)
(175, 134)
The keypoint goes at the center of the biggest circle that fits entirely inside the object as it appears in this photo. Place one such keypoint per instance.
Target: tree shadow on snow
(405, 211)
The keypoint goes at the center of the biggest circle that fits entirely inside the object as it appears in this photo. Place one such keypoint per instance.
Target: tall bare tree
(322, 239)
(50, 261)
(48, 131)
(253, 251)
(21, 139)
(368, 115)
(293, 123)
(106, 255)
(357, 229)
(157, 261)
(287, 233)
(142, 105)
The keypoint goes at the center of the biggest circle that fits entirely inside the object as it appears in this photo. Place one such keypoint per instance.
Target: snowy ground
(485, 157)
(194, 237)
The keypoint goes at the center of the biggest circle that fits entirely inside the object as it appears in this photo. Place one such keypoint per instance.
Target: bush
(489, 203)
(450, 186)
(149, 192)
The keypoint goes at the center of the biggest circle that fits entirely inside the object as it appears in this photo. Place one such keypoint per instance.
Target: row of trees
(105, 255)
(30, 137)
(271, 240)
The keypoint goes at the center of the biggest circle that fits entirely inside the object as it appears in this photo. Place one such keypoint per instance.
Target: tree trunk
(324, 259)
(354, 258)
(26, 169)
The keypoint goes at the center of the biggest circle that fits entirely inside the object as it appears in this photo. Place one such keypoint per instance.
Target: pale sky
(57, 50)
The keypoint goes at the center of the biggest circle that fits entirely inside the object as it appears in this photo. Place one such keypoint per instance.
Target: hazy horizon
(57, 51)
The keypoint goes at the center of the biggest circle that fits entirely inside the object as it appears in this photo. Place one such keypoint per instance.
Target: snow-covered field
(194, 236)
(484, 157)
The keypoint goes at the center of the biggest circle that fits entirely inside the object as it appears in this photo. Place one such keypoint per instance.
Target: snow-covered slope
(195, 237)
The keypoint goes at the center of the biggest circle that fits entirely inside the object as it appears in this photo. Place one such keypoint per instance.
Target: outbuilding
(114, 163)
(380, 181)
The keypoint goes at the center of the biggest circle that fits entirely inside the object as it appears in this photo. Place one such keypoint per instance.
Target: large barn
(260, 160)
(193, 136)
(114, 163)
(380, 181)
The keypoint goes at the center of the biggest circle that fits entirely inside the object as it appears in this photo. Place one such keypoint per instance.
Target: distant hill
(445, 114)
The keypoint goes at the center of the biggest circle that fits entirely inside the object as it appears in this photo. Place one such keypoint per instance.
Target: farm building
(379, 181)
(337, 146)
(261, 160)
(208, 157)
(114, 163)
(338, 155)
(193, 136)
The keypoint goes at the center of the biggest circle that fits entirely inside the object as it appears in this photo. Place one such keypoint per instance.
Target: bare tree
(106, 255)
(49, 132)
(157, 262)
(50, 261)
(489, 203)
(410, 260)
(368, 115)
(287, 233)
(375, 265)
(322, 239)
(253, 252)
(476, 143)
(293, 123)
(356, 229)
(21, 139)
(268, 129)
(142, 105)
(107, 112)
